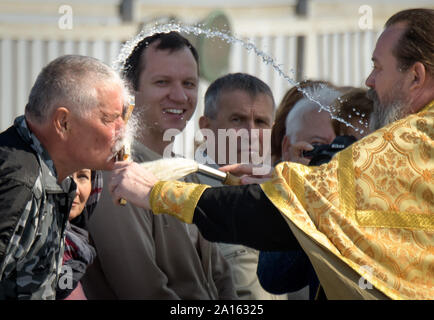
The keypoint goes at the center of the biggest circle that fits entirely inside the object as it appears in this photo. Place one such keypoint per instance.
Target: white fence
(21, 60)
(341, 55)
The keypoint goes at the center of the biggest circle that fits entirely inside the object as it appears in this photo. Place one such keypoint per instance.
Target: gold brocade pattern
(176, 198)
(372, 205)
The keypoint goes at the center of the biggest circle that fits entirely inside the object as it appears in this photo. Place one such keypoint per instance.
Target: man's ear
(286, 145)
(203, 122)
(418, 76)
(61, 120)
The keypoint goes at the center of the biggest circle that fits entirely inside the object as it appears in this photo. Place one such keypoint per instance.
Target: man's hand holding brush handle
(131, 181)
(124, 153)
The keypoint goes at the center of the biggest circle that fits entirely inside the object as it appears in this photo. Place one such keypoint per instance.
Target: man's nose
(250, 124)
(120, 126)
(177, 93)
(370, 81)
(77, 192)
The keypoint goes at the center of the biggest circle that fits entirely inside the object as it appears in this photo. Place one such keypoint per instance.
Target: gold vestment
(371, 208)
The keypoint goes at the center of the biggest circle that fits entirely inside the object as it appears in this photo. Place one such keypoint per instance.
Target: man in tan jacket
(142, 256)
(237, 105)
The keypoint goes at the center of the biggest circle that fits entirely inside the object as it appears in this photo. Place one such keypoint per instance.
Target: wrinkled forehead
(314, 124)
(388, 40)
(245, 100)
(113, 96)
(316, 115)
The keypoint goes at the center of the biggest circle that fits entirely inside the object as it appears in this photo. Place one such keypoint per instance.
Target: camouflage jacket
(34, 211)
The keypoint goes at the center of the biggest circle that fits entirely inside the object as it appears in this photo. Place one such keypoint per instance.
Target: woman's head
(83, 179)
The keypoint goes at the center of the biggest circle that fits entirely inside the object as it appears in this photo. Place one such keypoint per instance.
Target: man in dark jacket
(72, 121)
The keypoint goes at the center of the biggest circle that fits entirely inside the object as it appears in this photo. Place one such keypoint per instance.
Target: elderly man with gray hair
(73, 120)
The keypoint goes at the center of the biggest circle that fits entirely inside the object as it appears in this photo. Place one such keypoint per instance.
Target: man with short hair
(72, 121)
(238, 108)
(142, 256)
(233, 103)
(365, 219)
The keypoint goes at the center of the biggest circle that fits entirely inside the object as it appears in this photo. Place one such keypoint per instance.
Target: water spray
(125, 151)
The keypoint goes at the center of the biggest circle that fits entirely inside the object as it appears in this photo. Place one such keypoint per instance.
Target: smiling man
(142, 256)
(166, 80)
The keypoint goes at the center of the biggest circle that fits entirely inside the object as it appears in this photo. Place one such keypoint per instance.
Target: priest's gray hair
(70, 81)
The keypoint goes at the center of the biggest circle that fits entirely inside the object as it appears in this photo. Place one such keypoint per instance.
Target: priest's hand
(295, 152)
(249, 173)
(130, 181)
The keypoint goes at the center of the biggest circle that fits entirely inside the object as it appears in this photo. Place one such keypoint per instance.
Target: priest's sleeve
(230, 214)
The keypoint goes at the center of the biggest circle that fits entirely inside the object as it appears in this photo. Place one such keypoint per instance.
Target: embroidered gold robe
(371, 209)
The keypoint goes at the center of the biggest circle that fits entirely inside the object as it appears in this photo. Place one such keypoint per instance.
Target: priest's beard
(391, 110)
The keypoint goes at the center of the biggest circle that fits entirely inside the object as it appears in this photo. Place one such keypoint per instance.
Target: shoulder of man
(19, 170)
(18, 161)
